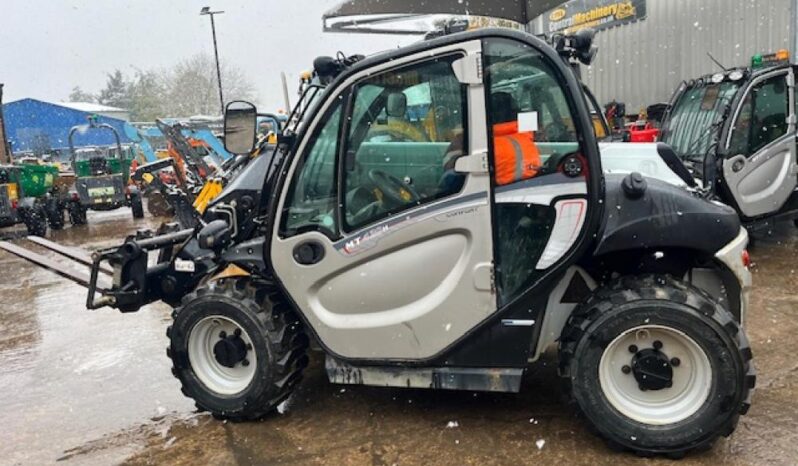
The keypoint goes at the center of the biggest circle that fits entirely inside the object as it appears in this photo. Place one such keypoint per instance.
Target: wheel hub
(655, 374)
(652, 369)
(230, 349)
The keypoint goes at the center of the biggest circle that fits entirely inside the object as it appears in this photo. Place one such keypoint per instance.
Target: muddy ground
(94, 387)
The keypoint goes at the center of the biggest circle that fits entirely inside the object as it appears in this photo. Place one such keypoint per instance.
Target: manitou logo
(352, 245)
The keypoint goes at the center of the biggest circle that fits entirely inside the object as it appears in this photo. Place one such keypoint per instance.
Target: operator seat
(396, 110)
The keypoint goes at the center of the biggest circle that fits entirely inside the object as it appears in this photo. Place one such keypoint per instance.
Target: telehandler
(736, 131)
(409, 266)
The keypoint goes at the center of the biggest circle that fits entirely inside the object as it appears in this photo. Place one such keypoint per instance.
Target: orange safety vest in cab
(516, 155)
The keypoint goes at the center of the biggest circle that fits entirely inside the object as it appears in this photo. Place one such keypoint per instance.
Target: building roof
(90, 107)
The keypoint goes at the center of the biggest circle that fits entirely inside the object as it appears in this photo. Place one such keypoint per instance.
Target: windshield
(693, 115)
(82, 155)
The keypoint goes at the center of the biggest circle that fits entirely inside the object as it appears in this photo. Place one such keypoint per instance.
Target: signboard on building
(597, 14)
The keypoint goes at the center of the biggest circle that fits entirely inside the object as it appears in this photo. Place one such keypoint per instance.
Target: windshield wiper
(714, 126)
(688, 152)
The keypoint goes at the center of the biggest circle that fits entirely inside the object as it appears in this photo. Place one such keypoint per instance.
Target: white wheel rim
(215, 376)
(692, 378)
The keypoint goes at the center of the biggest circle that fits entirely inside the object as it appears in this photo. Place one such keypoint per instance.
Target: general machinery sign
(596, 14)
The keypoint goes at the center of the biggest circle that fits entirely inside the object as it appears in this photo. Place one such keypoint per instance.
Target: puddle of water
(70, 375)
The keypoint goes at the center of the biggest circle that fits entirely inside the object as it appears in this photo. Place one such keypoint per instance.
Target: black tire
(77, 214)
(55, 214)
(650, 302)
(36, 221)
(276, 335)
(795, 222)
(136, 206)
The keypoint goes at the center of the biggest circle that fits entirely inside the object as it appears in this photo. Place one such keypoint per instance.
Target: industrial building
(37, 127)
(647, 47)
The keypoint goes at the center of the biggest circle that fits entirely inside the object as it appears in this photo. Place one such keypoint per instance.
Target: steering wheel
(393, 189)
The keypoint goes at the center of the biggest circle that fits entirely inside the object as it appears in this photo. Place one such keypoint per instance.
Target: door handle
(308, 252)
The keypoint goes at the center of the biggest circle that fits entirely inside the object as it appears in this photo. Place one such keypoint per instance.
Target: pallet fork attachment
(133, 282)
(63, 270)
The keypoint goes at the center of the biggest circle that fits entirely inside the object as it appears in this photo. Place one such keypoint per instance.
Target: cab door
(760, 170)
(540, 215)
(383, 238)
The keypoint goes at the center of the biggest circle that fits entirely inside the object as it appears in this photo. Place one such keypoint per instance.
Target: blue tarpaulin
(36, 126)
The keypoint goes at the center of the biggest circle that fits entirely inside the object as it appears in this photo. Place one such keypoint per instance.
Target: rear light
(14, 204)
(13, 191)
(746, 258)
(75, 196)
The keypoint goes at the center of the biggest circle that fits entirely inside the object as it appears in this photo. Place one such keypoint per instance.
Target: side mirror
(240, 124)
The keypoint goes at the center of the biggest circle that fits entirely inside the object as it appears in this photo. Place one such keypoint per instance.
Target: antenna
(717, 62)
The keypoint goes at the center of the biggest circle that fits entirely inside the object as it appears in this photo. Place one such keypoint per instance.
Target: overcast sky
(49, 46)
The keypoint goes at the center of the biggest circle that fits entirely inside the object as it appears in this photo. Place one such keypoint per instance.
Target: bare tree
(78, 95)
(192, 86)
(188, 88)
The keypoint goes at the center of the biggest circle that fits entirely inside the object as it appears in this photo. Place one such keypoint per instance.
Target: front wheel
(657, 366)
(237, 349)
(136, 206)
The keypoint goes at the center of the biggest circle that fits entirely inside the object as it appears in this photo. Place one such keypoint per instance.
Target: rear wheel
(237, 348)
(36, 221)
(136, 206)
(77, 213)
(657, 366)
(55, 214)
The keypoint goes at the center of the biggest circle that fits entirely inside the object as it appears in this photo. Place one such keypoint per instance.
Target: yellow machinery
(211, 189)
(213, 186)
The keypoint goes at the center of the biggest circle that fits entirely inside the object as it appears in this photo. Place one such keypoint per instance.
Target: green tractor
(102, 176)
(29, 194)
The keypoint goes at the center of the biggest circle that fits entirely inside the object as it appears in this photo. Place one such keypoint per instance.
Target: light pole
(794, 31)
(206, 10)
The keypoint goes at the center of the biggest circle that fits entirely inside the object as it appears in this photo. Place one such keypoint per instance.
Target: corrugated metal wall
(642, 63)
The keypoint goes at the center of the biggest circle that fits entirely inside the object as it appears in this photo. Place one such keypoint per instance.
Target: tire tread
(661, 287)
(282, 328)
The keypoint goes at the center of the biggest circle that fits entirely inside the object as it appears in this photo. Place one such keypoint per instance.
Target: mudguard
(662, 215)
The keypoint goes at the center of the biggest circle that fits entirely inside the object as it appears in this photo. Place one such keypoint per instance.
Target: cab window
(312, 197)
(762, 118)
(534, 136)
(407, 127)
